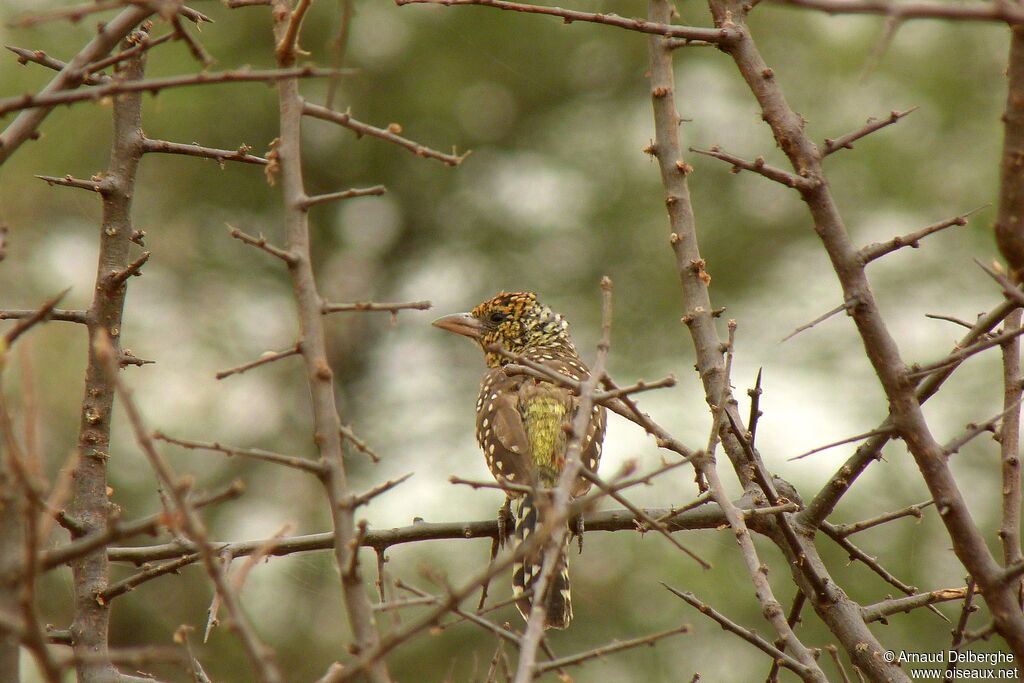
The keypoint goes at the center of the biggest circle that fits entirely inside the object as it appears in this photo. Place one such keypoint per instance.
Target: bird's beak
(460, 323)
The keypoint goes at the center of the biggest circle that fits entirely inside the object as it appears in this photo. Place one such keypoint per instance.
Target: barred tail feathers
(525, 572)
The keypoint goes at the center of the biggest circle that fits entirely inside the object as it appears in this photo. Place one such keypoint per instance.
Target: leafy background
(556, 193)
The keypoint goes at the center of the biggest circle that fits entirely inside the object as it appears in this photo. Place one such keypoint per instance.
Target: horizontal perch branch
(704, 517)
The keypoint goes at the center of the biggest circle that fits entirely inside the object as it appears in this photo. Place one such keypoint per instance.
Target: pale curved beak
(460, 323)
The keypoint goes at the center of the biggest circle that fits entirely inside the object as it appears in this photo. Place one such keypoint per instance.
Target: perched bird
(523, 424)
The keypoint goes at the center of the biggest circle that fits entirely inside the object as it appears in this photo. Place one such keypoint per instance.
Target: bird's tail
(526, 571)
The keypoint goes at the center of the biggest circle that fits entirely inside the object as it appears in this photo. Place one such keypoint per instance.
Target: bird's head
(514, 321)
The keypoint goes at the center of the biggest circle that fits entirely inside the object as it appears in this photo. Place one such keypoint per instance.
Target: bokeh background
(557, 193)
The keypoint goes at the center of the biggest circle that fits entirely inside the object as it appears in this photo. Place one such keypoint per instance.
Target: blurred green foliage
(556, 193)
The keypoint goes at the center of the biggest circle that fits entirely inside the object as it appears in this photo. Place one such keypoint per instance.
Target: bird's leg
(576, 528)
(505, 524)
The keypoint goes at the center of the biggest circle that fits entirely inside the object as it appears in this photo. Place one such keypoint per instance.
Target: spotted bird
(522, 424)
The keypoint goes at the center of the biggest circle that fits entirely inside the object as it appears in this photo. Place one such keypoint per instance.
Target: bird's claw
(506, 523)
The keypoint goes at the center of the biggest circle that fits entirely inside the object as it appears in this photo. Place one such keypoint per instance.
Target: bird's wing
(500, 430)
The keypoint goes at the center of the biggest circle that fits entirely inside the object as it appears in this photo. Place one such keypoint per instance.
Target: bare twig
(373, 306)
(949, 319)
(115, 279)
(26, 323)
(287, 460)
(268, 357)
(359, 444)
(799, 600)
(390, 133)
(965, 613)
(25, 125)
(288, 50)
(78, 12)
(49, 99)
(579, 658)
(846, 141)
(647, 520)
(879, 611)
(56, 314)
(709, 35)
(759, 166)
(143, 43)
(879, 249)
(909, 511)
(93, 185)
(196, 48)
(374, 191)
(637, 388)
(260, 242)
(364, 498)
(820, 319)
(974, 429)
(849, 439)
(959, 355)
(43, 59)
(1011, 291)
(220, 155)
(747, 634)
(870, 562)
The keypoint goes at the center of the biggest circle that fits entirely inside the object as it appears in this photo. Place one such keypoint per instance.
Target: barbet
(523, 425)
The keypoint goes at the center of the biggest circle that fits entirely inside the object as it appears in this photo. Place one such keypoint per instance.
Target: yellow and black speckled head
(516, 321)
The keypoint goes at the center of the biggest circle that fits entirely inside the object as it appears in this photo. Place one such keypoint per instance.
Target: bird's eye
(497, 317)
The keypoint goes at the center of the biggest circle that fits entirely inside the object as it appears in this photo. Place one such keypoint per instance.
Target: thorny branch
(731, 35)
(319, 376)
(89, 504)
(71, 76)
(881, 348)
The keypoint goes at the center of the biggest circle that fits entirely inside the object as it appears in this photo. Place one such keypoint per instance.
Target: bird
(523, 424)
